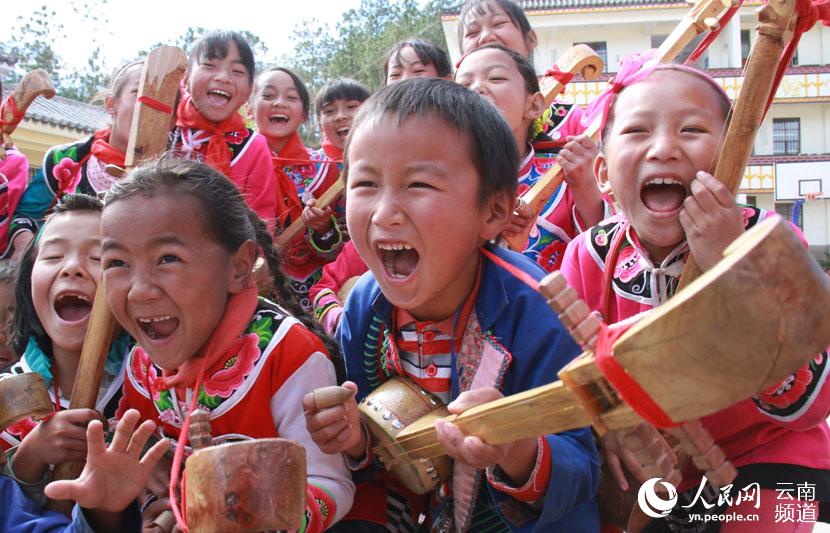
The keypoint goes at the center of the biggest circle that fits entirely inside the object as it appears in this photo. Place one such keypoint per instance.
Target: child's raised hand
(520, 219)
(642, 450)
(113, 476)
(577, 161)
(316, 218)
(516, 459)
(711, 219)
(59, 439)
(337, 428)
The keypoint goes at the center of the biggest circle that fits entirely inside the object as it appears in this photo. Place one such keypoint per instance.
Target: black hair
(481, 7)
(25, 322)
(216, 45)
(340, 89)
(427, 52)
(227, 219)
(298, 84)
(493, 149)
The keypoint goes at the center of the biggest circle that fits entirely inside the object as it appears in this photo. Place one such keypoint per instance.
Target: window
(745, 46)
(752, 200)
(601, 48)
(786, 212)
(786, 136)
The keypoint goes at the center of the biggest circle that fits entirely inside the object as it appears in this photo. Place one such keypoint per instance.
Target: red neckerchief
(231, 130)
(332, 152)
(103, 150)
(289, 207)
(238, 312)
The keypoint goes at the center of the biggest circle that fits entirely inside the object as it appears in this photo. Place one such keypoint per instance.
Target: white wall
(815, 127)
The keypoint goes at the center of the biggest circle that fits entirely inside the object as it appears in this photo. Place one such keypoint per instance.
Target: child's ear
(109, 105)
(497, 213)
(601, 174)
(532, 40)
(241, 266)
(534, 106)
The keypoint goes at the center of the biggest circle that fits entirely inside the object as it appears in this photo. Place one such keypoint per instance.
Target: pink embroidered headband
(633, 69)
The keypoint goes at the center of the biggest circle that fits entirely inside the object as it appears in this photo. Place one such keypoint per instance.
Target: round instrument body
(23, 396)
(391, 407)
(257, 485)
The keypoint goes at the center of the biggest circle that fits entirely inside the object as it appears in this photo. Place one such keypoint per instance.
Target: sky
(139, 24)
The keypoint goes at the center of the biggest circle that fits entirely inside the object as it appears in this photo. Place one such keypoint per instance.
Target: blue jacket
(19, 514)
(518, 322)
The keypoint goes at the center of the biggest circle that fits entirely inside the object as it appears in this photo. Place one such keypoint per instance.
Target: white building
(792, 151)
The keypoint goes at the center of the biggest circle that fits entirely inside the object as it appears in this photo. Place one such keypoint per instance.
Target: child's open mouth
(663, 195)
(73, 306)
(218, 97)
(159, 327)
(278, 119)
(343, 132)
(399, 260)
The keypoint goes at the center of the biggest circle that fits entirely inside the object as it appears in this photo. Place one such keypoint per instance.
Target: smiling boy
(449, 315)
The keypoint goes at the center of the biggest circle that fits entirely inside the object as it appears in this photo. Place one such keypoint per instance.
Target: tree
(186, 40)
(361, 40)
(36, 34)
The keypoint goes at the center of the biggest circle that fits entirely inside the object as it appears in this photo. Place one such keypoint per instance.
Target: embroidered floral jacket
(785, 424)
(14, 175)
(256, 393)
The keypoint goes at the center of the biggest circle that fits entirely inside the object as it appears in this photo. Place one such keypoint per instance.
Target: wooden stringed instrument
(776, 20)
(702, 17)
(768, 290)
(160, 76)
(33, 84)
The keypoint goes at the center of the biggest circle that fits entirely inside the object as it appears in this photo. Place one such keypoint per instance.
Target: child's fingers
(95, 438)
(154, 454)
(139, 438)
(124, 430)
(615, 466)
(471, 398)
(63, 490)
(704, 197)
(718, 190)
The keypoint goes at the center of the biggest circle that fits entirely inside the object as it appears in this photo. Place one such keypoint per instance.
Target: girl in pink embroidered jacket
(660, 132)
(506, 79)
(209, 127)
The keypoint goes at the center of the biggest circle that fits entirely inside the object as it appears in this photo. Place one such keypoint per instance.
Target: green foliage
(360, 41)
(35, 38)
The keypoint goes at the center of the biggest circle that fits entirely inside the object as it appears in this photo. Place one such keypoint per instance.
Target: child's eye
(169, 258)
(240, 72)
(633, 129)
(418, 71)
(207, 64)
(363, 184)
(114, 263)
(471, 33)
(420, 185)
(693, 129)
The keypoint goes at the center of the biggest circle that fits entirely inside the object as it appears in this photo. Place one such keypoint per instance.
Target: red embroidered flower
(550, 258)
(68, 174)
(628, 264)
(236, 369)
(788, 391)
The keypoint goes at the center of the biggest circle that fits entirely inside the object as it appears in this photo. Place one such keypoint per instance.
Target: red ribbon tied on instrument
(634, 68)
(809, 12)
(17, 114)
(559, 75)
